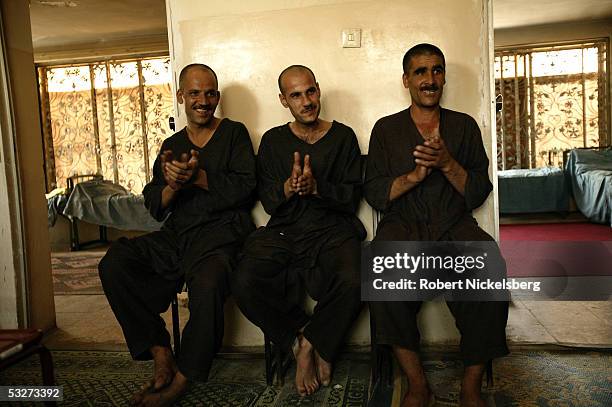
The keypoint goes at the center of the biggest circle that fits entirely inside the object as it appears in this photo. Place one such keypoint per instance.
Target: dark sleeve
(270, 183)
(345, 194)
(478, 186)
(234, 186)
(153, 190)
(378, 181)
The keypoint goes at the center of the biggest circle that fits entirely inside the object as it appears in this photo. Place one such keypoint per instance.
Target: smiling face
(198, 91)
(425, 79)
(301, 95)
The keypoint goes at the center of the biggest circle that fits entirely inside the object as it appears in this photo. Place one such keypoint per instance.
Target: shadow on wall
(238, 103)
(457, 80)
(345, 107)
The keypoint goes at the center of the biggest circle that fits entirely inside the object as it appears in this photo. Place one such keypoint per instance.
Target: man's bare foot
(168, 395)
(471, 400)
(324, 369)
(418, 397)
(165, 367)
(139, 395)
(305, 374)
(163, 373)
(471, 385)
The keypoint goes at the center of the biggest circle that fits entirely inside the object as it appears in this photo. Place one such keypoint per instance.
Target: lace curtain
(555, 98)
(108, 118)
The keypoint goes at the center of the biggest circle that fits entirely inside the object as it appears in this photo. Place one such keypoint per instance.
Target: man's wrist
(288, 191)
(200, 179)
(412, 178)
(450, 167)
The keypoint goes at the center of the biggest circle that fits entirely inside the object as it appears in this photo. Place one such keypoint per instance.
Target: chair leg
(74, 235)
(268, 357)
(46, 363)
(103, 234)
(489, 370)
(176, 330)
(277, 362)
(48, 376)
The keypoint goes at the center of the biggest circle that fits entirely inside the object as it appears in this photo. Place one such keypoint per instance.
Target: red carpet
(556, 231)
(557, 249)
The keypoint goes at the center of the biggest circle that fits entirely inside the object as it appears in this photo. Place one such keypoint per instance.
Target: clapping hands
(178, 173)
(301, 180)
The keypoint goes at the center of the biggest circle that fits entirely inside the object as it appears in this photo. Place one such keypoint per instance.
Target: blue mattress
(108, 204)
(590, 175)
(533, 190)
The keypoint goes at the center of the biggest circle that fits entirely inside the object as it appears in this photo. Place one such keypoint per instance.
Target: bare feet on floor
(163, 373)
(306, 381)
(471, 400)
(324, 369)
(165, 366)
(168, 395)
(471, 385)
(418, 397)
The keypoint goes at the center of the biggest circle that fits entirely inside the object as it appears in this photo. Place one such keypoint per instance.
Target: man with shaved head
(203, 186)
(309, 181)
(427, 170)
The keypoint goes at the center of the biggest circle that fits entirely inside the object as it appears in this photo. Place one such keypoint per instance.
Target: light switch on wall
(351, 38)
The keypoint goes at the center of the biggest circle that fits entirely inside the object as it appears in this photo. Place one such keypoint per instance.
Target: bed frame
(75, 244)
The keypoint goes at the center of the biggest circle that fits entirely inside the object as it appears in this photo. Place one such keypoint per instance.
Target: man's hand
(419, 173)
(165, 158)
(291, 185)
(433, 154)
(307, 184)
(179, 173)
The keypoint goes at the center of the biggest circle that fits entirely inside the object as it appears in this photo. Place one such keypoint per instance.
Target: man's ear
(405, 80)
(283, 100)
(179, 96)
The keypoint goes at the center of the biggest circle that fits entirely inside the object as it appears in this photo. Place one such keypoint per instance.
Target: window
(107, 117)
(555, 98)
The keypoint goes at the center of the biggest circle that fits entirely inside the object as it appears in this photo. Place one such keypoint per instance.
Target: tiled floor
(569, 323)
(86, 322)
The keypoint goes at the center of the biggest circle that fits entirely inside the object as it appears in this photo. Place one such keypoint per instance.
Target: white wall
(248, 44)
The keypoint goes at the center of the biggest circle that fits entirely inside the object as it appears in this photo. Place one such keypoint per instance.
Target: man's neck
(312, 132)
(427, 121)
(200, 135)
(425, 115)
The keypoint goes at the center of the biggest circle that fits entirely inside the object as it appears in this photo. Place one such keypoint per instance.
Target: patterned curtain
(513, 124)
(108, 118)
(555, 98)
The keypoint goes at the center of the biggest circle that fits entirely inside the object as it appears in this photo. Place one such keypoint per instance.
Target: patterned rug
(76, 272)
(523, 379)
(110, 378)
(533, 379)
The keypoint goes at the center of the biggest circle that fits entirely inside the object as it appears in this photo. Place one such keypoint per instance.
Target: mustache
(309, 108)
(206, 107)
(430, 87)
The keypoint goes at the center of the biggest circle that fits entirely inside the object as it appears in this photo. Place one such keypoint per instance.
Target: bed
(589, 172)
(533, 191)
(103, 203)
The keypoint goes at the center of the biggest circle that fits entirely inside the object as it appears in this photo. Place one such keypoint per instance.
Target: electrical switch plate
(351, 38)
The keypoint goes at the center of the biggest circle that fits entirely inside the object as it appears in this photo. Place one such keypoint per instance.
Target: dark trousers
(267, 290)
(138, 294)
(482, 324)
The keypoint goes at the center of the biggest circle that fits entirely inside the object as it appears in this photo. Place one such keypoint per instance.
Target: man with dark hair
(203, 185)
(427, 170)
(309, 181)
